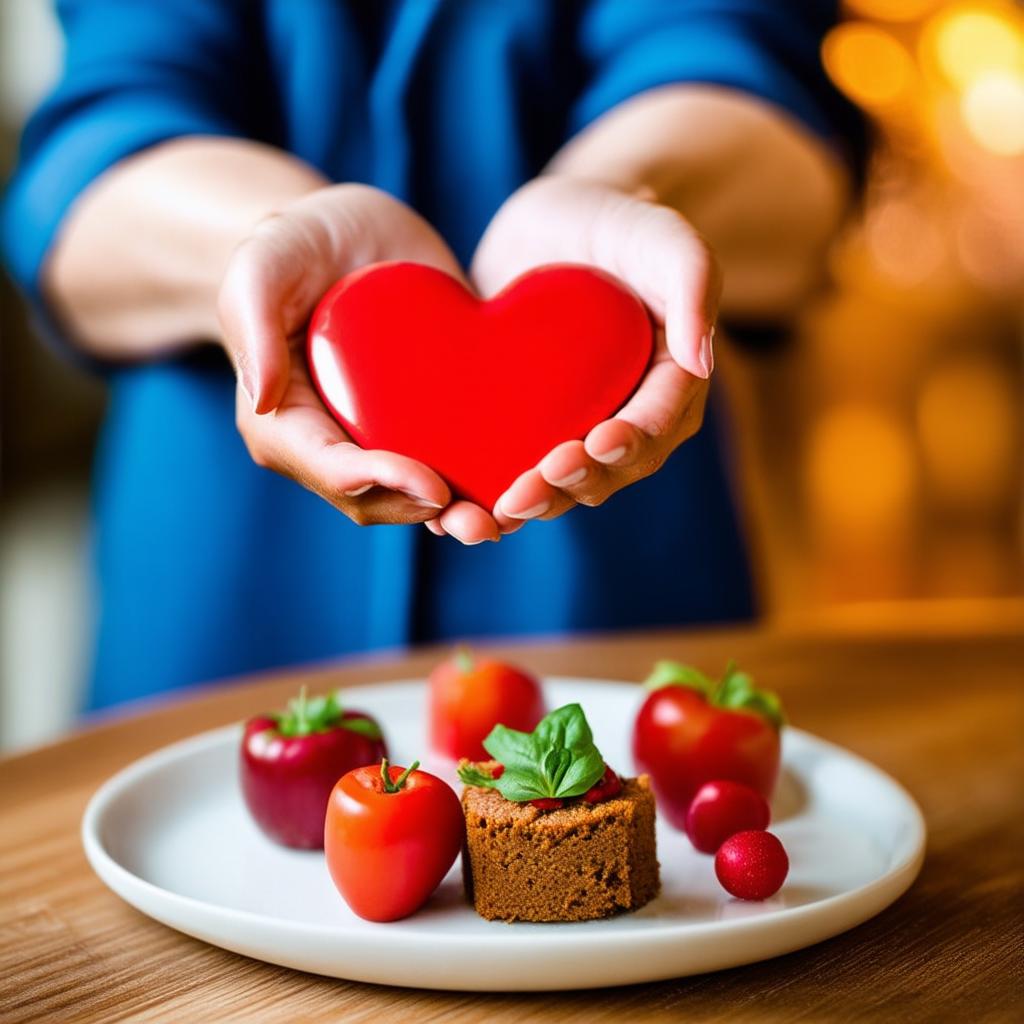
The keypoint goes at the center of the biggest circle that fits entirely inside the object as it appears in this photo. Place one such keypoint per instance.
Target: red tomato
(752, 865)
(687, 734)
(470, 696)
(389, 844)
(721, 809)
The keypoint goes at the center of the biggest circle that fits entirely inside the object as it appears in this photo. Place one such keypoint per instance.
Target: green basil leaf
(364, 726)
(511, 747)
(565, 727)
(473, 776)
(521, 786)
(737, 691)
(558, 758)
(585, 770)
(556, 763)
(675, 673)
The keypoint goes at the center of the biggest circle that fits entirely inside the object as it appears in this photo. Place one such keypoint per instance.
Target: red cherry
(751, 865)
(605, 788)
(721, 809)
(548, 803)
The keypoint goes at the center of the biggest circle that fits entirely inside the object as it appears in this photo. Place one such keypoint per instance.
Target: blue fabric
(209, 566)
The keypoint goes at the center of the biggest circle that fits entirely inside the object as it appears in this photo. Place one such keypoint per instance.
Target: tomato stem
(385, 776)
(464, 659)
(301, 724)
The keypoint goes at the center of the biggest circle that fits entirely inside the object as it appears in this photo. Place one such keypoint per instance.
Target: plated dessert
(547, 830)
(585, 860)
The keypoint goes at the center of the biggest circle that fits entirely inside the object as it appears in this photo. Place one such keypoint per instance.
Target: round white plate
(171, 835)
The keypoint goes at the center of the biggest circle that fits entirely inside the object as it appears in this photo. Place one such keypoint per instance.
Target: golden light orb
(993, 110)
(867, 63)
(970, 42)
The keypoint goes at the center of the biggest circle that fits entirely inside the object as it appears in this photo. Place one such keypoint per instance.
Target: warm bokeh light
(891, 10)
(993, 110)
(969, 42)
(967, 425)
(904, 241)
(868, 64)
(860, 470)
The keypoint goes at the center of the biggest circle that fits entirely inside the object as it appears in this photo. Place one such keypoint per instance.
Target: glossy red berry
(751, 865)
(547, 803)
(720, 809)
(605, 788)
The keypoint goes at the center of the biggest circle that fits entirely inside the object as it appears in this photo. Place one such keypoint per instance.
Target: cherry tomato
(691, 730)
(752, 865)
(470, 696)
(721, 809)
(390, 836)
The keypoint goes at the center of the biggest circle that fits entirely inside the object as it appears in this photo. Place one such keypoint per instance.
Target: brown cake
(579, 862)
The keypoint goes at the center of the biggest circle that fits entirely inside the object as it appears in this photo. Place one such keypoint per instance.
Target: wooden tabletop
(937, 702)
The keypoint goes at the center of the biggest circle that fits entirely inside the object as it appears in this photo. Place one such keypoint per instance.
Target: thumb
(657, 252)
(254, 336)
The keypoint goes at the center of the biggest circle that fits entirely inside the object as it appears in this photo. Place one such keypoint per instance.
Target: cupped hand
(654, 250)
(273, 282)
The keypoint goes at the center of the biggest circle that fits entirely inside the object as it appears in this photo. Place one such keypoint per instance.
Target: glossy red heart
(410, 361)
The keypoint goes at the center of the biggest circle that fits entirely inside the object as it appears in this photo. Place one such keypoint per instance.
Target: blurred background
(881, 453)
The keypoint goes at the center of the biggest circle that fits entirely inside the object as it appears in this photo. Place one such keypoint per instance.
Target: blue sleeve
(769, 48)
(136, 72)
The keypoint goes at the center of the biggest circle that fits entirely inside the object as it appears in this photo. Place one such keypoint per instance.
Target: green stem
(720, 684)
(464, 659)
(385, 776)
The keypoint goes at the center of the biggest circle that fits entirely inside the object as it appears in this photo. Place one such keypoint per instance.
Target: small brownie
(577, 863)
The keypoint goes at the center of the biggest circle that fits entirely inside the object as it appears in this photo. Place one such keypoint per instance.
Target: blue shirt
(209, 566)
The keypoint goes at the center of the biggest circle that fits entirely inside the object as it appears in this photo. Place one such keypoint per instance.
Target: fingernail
(706, 354)
(246, 383)
(613, 456)
(571, 479)
(420, 500)
(357, 491)
(530, 513)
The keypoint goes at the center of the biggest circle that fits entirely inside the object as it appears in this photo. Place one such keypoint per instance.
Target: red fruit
(720, 810)
(692, 729)
(470, 696)
(390, 836)
(605, 788)
(547, 803)
(289, 763)
(751, 865)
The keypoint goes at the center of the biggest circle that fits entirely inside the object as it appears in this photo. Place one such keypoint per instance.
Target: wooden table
(939, 704)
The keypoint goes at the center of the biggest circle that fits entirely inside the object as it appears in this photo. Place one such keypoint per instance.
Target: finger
(663, 407)
(469, 523)
(576, 474)
(658, 253)
(531, 497)
(567, 465)
(254, 337)
(306, 444)
(380, 507)
(435, 527)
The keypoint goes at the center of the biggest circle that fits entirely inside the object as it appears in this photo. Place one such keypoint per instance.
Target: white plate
(171, 835)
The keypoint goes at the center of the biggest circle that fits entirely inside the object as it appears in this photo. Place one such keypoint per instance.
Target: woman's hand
(273, 282)
(652, 248)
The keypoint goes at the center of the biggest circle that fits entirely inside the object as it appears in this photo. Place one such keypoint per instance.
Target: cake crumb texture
(577, 863)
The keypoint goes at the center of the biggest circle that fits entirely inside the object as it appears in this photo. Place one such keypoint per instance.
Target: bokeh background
(880, 452)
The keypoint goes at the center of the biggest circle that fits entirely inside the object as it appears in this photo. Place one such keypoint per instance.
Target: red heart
(409, 360)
